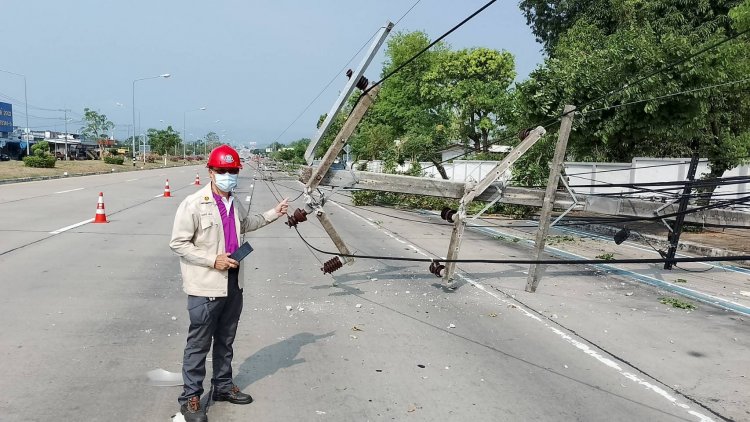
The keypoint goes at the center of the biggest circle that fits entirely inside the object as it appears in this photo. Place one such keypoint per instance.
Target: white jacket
(198, 238)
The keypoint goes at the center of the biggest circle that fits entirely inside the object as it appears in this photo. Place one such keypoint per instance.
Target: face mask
(226, 182)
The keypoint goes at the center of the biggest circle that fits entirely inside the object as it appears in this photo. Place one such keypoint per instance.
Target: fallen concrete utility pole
(472, 190)
(356, 80)
(627, 207)
(313, 177)
(333, 151)
(536, 271)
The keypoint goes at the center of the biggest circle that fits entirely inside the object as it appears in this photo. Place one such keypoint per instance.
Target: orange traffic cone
(100, 217)
(167, 192)
(197, 180)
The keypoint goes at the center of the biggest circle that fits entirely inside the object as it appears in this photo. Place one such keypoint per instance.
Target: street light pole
(184, 132)
(26, 103)
(66, 134)
(164, 75)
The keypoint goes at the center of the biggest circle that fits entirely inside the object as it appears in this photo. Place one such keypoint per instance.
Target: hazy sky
(254, 65)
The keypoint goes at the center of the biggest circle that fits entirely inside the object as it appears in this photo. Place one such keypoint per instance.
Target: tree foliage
(40, 157)
(740, 15)
(96, 125)
(550, 20)
(163, 141)
(441, 96)
(475, 85)
(597, 48)
(293, 153)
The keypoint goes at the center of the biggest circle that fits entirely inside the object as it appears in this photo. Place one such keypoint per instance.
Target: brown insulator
(332, 265)
(299, 216)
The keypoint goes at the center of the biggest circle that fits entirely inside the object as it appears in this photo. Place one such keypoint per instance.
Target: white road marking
(72, 226)
(159, 195)
(567, 338)
(591, 352)
(131, 180)
(247, 199)
(69, 190)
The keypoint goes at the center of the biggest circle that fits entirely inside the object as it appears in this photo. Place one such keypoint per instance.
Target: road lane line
(131, 180)
(159, 195)
(590, 351)
(69, 190)
(72, 226)
(652, 281)
(567, 338)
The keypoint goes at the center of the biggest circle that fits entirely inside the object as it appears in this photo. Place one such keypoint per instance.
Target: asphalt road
(89, 310)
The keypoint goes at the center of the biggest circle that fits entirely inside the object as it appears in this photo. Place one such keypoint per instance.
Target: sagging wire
(424, 50)
(581, 107)
(336, 76)
(531, 261)
(663, 69)
(592, 220)
(407, 12)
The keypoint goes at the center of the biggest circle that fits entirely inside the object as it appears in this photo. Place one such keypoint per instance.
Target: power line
(407, 12)
(340, 71)
(674, 94)
(532, 261)
(622, 88)
(664, 68)
(568, 222)
(336, 76)
(440, 38)
(687, 161)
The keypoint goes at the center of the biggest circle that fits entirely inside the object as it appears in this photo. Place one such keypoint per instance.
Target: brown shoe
(192, 411)
(234, 396)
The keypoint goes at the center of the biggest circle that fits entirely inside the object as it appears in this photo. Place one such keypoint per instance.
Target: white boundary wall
(640, 170)
(647, 170)
(458, 170)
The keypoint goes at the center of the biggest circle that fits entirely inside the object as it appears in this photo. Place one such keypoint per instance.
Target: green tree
(212, 141)
(475, 85)
(404, 110)
(740, 15)
(293, 153)
(163, 141)
(41, 156)
(96, 126)
(595, 56)
(371, 139)
(335, 126)
(550, 20)
(275, 146)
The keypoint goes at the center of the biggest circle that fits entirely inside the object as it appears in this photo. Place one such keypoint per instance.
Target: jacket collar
(206, 195)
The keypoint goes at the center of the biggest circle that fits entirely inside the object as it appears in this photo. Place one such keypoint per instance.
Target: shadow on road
(270, 359)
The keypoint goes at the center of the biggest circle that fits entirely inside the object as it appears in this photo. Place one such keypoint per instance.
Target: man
(206, 231)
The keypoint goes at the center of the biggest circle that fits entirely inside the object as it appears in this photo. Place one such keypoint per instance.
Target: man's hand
(224, 262)
(282, 207)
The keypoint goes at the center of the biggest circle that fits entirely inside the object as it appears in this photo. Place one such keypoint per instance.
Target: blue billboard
(6, 117)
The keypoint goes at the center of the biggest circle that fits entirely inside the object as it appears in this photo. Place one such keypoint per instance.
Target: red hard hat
(224, 157)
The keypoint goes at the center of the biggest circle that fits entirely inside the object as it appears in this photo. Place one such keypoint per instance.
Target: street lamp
(165, 75)
(26, 101)
(184, 132)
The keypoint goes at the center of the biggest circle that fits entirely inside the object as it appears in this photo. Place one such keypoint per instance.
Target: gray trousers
(211, 319)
